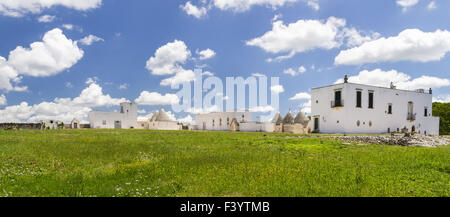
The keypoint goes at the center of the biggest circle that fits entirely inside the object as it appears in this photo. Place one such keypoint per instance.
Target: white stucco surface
(220, 121)
(125, 119)
(374, 120)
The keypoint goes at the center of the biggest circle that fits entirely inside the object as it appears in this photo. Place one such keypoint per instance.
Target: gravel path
(416, 140)
(421, 141)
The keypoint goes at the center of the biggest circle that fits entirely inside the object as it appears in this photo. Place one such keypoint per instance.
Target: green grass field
(121, 163)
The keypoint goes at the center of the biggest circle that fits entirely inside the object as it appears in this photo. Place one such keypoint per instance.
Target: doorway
(316, 124)
(117, 125)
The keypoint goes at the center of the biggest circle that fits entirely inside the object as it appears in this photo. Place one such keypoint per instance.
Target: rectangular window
(425, 112)
(338, 99)
(390, 109)
(371, 100)
(104, 122)
(358, 99)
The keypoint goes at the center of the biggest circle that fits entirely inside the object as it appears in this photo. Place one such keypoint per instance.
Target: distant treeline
(442, 110)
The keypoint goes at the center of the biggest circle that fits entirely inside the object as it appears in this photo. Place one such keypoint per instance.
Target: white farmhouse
(363, 109)
(125, 119)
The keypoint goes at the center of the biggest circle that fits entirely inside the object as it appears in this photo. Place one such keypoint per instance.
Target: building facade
(221, 121)
(243, 121)
(227, 121)
(363, 109)
(75, 124)
(125, 119)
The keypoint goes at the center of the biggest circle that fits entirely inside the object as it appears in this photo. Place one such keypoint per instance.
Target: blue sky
(126, 34)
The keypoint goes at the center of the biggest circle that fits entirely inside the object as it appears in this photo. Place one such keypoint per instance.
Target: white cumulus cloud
(314, 4)
(169, 60)
(355, 37)
(442, 98)
(54, 54)
(186, 120)
(8, 76)
(300, 36)
(123, 86)
(46, 19)
(432, 5)
(405, 4)
(306, 35)
(240, 5)
(304, 107)
(277, 89)
(294, 72)
(409, 45)
(206, 54)
(3, 100)
(205, 110)
(63, 109)
(378, 77)
(92, 96)
(258, 75)
(179, 78)
(301, 96)
(18, 8)
(245, 5)
(90, 39)
(154, 98)
(262, 109)
(197, 12)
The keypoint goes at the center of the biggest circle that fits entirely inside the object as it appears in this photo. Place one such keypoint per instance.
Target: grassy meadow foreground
(164, 164)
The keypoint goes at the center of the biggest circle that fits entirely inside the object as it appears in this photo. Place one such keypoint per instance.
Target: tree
(442, 110)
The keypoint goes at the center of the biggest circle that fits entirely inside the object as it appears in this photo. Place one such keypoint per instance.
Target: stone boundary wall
(22, 126)
(294, 128)
(85, 126)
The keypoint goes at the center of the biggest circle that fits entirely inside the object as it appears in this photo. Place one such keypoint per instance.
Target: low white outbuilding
(125, 119)
(231, 121)
(75, 124)
(221, 121)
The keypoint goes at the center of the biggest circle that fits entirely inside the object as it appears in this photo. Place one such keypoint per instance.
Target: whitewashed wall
(157, 125)
(256, 127)
(226, 117)
(128, 119)
(344, 119)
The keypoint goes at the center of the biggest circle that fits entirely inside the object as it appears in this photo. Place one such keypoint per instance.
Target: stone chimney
(393, 86)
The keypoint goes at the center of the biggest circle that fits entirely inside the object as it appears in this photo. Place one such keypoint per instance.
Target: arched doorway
(234, 125)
